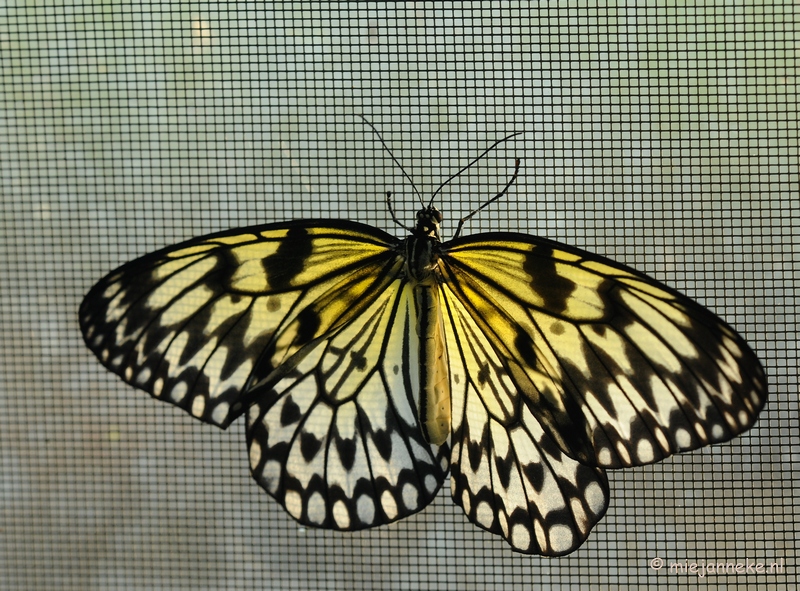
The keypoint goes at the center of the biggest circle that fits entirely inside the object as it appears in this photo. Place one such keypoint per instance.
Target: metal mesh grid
(663, 136)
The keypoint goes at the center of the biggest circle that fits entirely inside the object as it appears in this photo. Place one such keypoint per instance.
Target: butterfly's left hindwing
(507, 473)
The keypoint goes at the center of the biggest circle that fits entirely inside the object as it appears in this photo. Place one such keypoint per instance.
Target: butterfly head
(428, 220)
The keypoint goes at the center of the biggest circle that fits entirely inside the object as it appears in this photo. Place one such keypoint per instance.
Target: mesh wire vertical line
(662, 136)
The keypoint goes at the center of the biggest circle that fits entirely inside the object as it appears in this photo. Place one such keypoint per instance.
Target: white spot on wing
(112, 288)
(622, 452)
(662, 440)
(561, 538)
(595, 498)
(389, 505)
(365, 507)
(143, 376)
(178, 392)
(466, 501)
(253, 413)
(255, 454)
(484, 514)
(410, 496)
(430, 483)
(683, 438)
(316, 509)
(520, 537)
(576, 506)
(503, 520)
(271, 475)
(220, 412)
(341, 515)
(701, 431)
(644, 451)
(198, 406)
(541, 537)
(293, 503)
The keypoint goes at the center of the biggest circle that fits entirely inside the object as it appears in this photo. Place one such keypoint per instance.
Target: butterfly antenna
(403, 170)
(492, 200)
(460, 172)
(391, 211)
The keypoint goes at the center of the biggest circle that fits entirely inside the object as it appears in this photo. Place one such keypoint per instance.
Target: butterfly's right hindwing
(200, 323)
(341, 446)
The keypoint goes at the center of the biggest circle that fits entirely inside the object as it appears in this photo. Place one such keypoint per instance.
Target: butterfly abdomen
(434, 403)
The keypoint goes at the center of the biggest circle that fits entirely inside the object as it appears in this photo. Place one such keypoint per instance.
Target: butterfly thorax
(422, 246)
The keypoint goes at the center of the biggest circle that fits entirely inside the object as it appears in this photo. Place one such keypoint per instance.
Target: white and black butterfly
(368, 365)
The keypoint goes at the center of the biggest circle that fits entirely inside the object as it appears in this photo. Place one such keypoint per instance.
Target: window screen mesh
(661, 135)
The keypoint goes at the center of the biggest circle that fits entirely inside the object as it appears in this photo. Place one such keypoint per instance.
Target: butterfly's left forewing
(619, 369)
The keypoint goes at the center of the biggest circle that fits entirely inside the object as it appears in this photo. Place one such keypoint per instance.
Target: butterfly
(368, 366)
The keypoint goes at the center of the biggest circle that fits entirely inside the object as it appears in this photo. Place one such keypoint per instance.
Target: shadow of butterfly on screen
(368, 366)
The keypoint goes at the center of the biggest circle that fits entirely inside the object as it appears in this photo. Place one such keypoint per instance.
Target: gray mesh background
(662, 135)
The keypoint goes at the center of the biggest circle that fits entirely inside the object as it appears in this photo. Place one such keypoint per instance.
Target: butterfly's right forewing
(201, 323)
